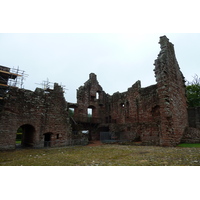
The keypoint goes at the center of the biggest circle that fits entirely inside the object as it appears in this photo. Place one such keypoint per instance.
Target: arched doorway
(47, 139)
(25, 134)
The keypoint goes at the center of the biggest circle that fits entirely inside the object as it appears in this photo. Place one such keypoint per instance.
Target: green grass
(104, 155)
(189, 145)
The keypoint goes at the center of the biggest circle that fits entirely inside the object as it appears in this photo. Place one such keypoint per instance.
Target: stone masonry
(41, 114)
(154, 115)
(172, 95)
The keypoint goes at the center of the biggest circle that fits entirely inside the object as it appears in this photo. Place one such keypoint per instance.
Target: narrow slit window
(97, 95)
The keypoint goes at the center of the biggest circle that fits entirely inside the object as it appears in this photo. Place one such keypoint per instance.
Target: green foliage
(19, 130)
(19, 136)
(71, 113)
(193, 92)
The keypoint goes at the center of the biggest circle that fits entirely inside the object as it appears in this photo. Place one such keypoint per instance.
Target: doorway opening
(25, 136)
(47, 139)
(18, 140)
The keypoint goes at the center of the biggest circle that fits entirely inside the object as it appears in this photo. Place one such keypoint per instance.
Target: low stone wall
(191, 135)
(194, 117)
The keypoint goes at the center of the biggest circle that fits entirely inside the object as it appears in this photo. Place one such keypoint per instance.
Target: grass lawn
(189, 145)
(104, 155)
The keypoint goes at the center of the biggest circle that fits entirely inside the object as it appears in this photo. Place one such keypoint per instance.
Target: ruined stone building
(154, 115)
(42, 116)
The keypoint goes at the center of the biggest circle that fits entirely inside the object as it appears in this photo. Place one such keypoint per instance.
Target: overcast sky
(118, 60)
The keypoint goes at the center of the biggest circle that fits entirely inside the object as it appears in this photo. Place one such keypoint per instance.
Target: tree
(193, 92)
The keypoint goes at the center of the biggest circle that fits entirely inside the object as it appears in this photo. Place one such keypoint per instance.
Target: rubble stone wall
(171, 95)
(192, 133)
(38, 113)
(156, 114)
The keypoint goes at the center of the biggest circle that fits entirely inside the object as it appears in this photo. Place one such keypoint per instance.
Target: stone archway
(28, 135)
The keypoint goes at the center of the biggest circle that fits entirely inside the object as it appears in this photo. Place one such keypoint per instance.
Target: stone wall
(194, 117)
(42, 115)
(90, 97)
(134, 113)
(171, 95)
(156, 114)
(192, 133)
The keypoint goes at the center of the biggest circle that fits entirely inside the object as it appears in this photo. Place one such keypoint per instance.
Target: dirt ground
(95, 143)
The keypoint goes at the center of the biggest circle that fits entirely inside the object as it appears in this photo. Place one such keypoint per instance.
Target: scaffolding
(11, 77)
(46, 85)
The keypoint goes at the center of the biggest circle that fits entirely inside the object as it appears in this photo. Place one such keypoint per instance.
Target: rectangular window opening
(97, 95)
(71, 112)
(89, 112)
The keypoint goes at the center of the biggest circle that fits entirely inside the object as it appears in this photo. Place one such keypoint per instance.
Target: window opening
(47, 139)
(97, 95)
(71, 112)
(89, 112)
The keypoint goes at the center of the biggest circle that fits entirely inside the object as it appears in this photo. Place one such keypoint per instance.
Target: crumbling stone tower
(171, 94)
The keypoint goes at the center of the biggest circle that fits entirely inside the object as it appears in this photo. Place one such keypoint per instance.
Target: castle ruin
(154, 115)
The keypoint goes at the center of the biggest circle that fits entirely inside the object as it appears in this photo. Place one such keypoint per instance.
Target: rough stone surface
(171, 95)
(192, 133)
(155, 115)
(38, 113)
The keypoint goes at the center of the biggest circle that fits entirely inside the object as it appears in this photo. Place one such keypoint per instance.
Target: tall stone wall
(134, 113)
(171, 95)
(156, 114)
(37, 113)
(90, 97)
